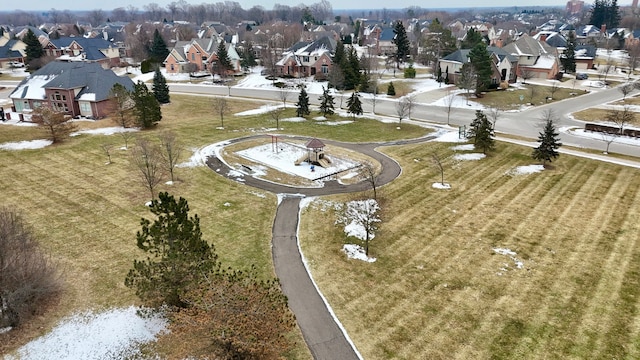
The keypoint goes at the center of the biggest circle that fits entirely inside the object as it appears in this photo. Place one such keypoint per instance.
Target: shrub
(391, 91)
(28, 279)
(147, 66)
(410, 72)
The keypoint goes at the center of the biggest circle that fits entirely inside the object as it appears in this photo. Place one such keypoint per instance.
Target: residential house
(75, 88)
(307, 59)
(536, 59)
(11, 50)
(199, 55)
(84, 49)
(503, 65)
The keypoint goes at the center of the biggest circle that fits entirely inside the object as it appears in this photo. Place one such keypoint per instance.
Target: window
(193, 57)
(85, 107)
(305, 59)
(19, 107)
(325, 69)
(172, 68)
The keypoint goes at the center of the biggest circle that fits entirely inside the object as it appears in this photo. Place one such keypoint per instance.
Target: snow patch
(26, 145)
(472, 156)
(449, 136)
(112, 334)
(465, 147)
(525, 170)
(438, 185)
(356, 252)
(512, 255)
(105, 131)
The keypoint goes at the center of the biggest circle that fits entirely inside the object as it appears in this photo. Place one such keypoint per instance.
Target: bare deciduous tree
(220, 107)
(526, 74)
(122, 104)
(363, 213)
(438, 163)
(402, 109)
(28, 278)
(411, 104)
(626, 89)
(147, 159)
(171, 151)
(54, 122)
(494, 113)
(553, 89)
(276, 114)
(621, 117)
(449, 100)
(126, 136)
(608, 140)
(369, 174)
(106, 148)
(283, 94)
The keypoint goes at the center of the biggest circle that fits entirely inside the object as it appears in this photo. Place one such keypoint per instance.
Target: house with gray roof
(11, 50)
(74, 88)
(503, 65)
(84, 49)
(536, 59)
(307, 58)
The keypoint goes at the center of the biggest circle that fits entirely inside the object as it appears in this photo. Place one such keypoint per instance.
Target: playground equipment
(315, 154)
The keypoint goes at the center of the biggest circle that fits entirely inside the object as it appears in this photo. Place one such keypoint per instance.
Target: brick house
(75, 88)
(84, 49)
(536, 59)
(307, 59)
(198, 55)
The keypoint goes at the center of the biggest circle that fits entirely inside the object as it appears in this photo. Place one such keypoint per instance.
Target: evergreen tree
(147, 109)
(481, 61)
(326, 102)
(34, 49)
(339, 55)
(568, 58)
(605, 12)
(160, 87)
(472, 39)
(391, 91)
(549, 143)
(401, 41)
(354, 105)
(178, 258)
(302, 107)
(224, 63)
(158, 51)
(351, 69)
(248, 58)
(481, 130)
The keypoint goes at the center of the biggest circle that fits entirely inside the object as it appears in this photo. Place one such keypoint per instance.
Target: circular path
(321, 330)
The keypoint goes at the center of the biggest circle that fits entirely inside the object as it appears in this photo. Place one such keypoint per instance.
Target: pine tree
(481, 130)
(472, 39)
(354, 105)
(568, 58)
(549, 143)
(401, 41)
(248, 58)
(391, 91)
(34, 49)
(147, 109)
(326, 102)
(303, 103)
(158, 51)
(178, 258)
(224, 63)
(160, 88)
(480, 58)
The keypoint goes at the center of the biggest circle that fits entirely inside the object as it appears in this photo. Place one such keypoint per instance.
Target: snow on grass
(264, 109)
(336, 123)
(284, 160)
(465, 147)
(356, 252)
(320, 118)
(16, 122)
(512, 255)
(525, 170)
(294, 119)
(105, 131)
(199, 157)
(25, 145)
(448, 136)
(472, 156)
(359, 215)
(458, 99)
(439, 185)
(602, 136)
(112, 334)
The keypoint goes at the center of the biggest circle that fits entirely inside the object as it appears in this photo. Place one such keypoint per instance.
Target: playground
(295, 161)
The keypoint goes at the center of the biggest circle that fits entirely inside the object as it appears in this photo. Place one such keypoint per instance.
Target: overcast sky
(44, 5)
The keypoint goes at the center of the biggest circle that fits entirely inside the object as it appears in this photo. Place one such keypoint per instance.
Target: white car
(16, 64)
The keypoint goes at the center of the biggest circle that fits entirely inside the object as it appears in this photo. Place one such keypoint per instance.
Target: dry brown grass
(599, 115)
(435, 291)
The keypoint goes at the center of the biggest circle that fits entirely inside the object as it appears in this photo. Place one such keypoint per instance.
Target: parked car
(582, 76)
(16, 64)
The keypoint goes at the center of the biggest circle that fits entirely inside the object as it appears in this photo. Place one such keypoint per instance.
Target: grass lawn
(600, 115)
(439, 291)
(87, 213)
(535, 94)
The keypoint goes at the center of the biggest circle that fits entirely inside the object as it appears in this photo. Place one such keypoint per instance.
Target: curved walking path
(320, 328)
